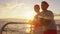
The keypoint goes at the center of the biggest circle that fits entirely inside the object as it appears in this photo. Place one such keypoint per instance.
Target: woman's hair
(45, 3)
(36, 6)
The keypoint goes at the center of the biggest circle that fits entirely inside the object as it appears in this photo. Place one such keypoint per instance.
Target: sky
(24, 8)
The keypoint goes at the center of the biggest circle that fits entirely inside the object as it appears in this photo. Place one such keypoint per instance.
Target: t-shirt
(49, 15)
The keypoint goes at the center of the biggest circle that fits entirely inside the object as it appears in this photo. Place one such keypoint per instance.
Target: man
(48, 19)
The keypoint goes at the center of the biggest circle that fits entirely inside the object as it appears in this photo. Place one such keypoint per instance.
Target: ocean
(24, 28)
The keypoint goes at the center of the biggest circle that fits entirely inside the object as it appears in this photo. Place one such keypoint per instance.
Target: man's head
(36, 8)
(44, 5)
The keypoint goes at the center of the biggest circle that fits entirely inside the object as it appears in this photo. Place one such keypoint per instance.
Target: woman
(48, 19)
(36, 21)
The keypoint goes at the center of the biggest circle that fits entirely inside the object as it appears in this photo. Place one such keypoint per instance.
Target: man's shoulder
(49, 11)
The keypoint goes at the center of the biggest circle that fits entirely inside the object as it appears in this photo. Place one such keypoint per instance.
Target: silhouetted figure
(48, 19)
(36, 21)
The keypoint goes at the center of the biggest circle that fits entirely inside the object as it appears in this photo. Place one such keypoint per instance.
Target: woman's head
(44, 5)
(36, 8)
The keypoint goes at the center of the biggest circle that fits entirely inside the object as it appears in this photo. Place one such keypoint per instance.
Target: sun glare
(28, 29)
(29, 15)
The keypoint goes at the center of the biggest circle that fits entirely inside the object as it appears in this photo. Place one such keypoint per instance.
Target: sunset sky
(24, 8)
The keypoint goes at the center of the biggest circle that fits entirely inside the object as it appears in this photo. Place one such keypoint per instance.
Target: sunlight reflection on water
(17, 28)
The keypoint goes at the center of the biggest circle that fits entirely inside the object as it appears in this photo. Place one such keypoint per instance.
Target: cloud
(8, 3)
(14, 10)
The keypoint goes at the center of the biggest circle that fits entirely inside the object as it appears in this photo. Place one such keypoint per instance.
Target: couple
(44, 21)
